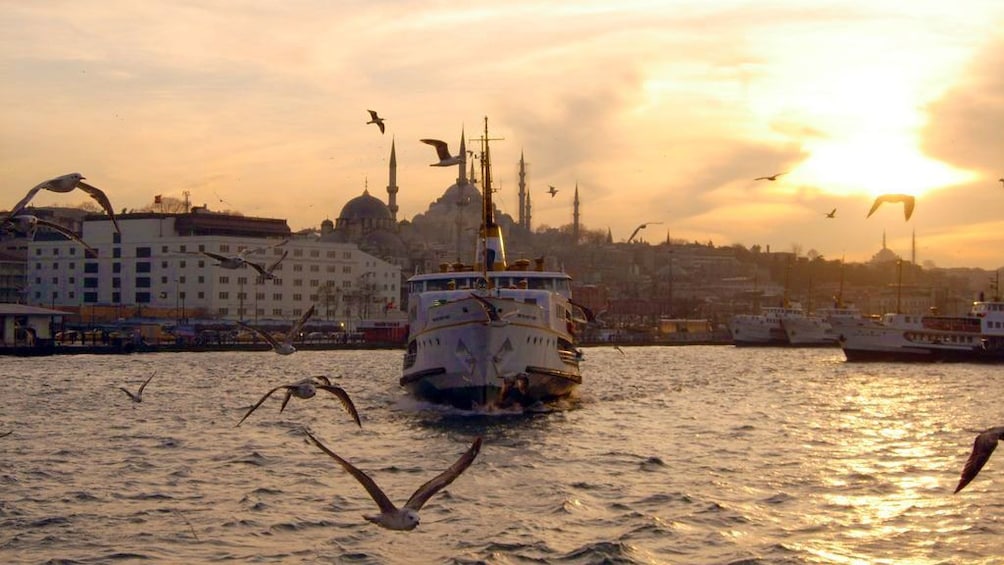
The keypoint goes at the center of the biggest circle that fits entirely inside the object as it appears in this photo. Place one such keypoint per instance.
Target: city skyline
(659, 112)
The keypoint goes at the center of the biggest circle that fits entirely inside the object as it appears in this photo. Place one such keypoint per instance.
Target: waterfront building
(156, 268)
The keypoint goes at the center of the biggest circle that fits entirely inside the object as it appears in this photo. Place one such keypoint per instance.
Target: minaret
(522, 192)
(913, 247)
(528, 216)
(392, 183)
(462, 179)
(575, 215)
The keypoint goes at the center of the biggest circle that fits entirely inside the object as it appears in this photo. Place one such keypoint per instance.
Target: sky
(659, 111)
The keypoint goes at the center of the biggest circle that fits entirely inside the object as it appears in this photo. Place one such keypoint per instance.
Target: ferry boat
(765, 328)
(490, 334)
(976, 336)
(818, 329)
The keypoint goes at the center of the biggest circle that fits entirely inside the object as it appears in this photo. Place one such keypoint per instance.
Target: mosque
(445, 231)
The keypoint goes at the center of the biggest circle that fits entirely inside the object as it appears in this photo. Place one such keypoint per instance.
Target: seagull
(241, 259)
(284, 347)
(907, 200)
(831, 214)
(406, 518)
(307, 388)
(492, 311)
(1001, 180)
(7, 434)
(67, 183)
(27, 224)
(375, 119)
(138, 397)
(266, 272)
(552, 191)
(984, 445)
(618, 348)
(443, 151)
(771, 177)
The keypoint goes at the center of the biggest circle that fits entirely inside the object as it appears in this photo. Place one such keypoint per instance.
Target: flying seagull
(406, 518)
(443, 152)
(492, 311)
(375, 119)
(284, 347)
(831, 214)
(552, 191)
(27, 224)
(67, 183)
(266, 272)
(771, 177)
(307, 388)
(985, 444)
(241, 259)
(138, 397)
(907, 200)
(1002, 180)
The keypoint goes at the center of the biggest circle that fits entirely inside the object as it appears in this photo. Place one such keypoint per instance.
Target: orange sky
(660, 111)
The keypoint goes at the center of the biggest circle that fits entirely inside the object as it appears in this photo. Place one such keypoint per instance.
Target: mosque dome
(365, 207)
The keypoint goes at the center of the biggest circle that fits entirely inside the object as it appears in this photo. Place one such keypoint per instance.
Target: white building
(157, 267)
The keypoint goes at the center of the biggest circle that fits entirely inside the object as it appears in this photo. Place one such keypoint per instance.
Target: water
(669, 455)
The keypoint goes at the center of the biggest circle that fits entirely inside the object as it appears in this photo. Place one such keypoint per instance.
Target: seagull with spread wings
(405, 518)
(983, 447)
(770, 177)
(375, 119)
(68, 183)
(138, 397)
(443, 152)
(307, 388)
(27, 224)
(284, 347)
(908, 201)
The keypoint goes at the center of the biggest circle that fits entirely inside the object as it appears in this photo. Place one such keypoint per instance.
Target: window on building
(259, 296)
(116, 237)
(277, 297)
(329, 268)
(181, 249)
(297, 282)
(332, 254)
(73, 251)
(202, 279)
(242, 280)
(201, 295)
(315, 268)
(224, 248)
(223, 311)
(117, 297)
(277, 312)
(181, 280)
(346, 255)
(55, 280)
(297, 268)
(55, 251)
(116, 267)
(90, 282)
(224, 280)
(38, 251)
(163, 249)
(72, 265)
(116, 282)
(71, 295)
(315, 283)
(90, 297)
(142, 266)
(297, 253)
(347, 269)
(315, 252)
(143, 252)
(117, 252)
(297, 297)
(163, 280)
(163, 264)
(181, 263)
(142, 298)
(55, 266)
(142, 282)
(224, 295)
(38, 266)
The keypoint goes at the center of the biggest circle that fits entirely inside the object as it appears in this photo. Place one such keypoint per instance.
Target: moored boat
(977, 336)
(765, 328)
(490, 334)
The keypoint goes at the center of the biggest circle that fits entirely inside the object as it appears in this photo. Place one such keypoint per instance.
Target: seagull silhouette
(443, 152)
(494, 318)
(138, 397)
(241, 259)
(983, 447)
(406, 518)
(307, 388)
(831, 214)
(907, 200)
(1001, 180)
(27, 224)
(284, 347)
(67, 183)
(375, 119)
(552, 190)
(771, 177)
(266, 272)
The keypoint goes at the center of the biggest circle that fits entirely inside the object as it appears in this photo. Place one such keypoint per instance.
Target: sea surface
(699, 454)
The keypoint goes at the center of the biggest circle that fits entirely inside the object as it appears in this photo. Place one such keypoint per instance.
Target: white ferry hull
(462, 359)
